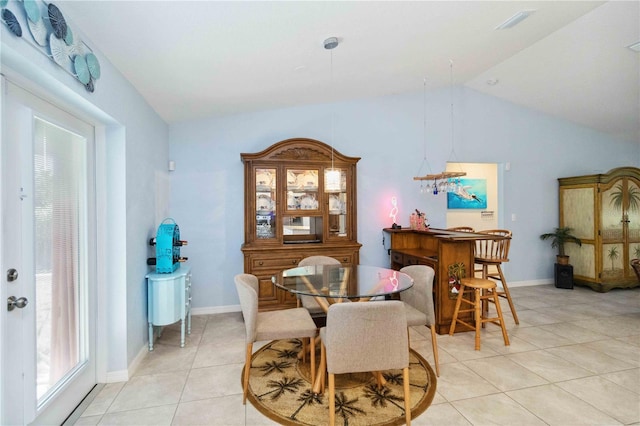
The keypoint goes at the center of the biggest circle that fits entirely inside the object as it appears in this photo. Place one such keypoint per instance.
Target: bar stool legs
(481, 291)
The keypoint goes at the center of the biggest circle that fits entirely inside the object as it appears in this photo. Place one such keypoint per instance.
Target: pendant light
(442, 182)
(332, 176)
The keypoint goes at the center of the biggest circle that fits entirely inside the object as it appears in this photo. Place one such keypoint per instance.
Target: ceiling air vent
(635, 46)
(515, 19)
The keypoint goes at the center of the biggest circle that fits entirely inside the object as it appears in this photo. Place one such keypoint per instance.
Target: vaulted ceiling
(196, 59)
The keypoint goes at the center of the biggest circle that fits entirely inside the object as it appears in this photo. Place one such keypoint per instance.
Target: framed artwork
(469, 194)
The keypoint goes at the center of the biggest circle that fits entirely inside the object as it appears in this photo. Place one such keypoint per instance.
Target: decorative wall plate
(82, 70)
(308, 203)
(59, 51)
(12, 23)
(33, 10)
(308, 180)
(94, 65)
(68, 39)
(263, 181)
(38, 31)
(58, 23)
(78, 47)
(264, 204)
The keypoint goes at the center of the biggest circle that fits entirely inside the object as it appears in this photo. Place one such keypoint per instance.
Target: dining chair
(418, 303)
(461, 229)
(293, 323)
(309, 302)
(492, 252)
(366, 337)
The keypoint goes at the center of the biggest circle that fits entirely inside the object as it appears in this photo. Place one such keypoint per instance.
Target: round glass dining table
(336, 282)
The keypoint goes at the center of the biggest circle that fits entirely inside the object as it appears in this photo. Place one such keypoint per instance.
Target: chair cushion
(285, 324)
(414, 316)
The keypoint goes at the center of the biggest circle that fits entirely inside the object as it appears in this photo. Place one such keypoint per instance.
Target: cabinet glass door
(302, 190)
(338, 203)
(265, 179)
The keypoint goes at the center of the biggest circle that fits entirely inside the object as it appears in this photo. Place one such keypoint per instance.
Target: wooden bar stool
(479, 292)
(491, 253)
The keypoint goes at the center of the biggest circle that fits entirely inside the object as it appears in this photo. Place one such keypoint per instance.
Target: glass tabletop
(338, 281)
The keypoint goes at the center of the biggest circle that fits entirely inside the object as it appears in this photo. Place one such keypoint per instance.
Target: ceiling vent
(515, 19)
(635, 46)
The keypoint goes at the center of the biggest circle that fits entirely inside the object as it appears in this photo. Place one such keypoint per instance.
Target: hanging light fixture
(442, 182)
(332, 176)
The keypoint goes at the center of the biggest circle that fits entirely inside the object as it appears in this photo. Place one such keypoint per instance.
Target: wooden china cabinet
(603, 210)
(288, 214)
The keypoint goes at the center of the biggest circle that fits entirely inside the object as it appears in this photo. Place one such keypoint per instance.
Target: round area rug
(280, 388)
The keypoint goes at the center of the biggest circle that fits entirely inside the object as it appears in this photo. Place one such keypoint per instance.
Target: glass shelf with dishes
(265, 179)
(302, 189)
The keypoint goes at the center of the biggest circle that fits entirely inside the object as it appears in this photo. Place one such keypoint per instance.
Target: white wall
(387, 133)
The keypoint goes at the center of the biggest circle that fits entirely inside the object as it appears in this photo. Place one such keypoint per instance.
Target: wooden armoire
(604, 212)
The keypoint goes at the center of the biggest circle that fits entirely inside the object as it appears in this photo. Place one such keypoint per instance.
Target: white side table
(169, 300)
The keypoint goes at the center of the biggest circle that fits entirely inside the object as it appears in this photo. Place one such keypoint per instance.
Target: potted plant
(559, 237)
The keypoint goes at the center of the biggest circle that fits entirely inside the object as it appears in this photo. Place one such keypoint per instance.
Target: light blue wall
(387, 133)
(135, 151)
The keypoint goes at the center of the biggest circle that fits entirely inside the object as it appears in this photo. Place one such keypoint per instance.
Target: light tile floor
(573, 360)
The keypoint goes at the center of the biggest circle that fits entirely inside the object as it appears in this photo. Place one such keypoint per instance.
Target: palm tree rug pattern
(280, 388)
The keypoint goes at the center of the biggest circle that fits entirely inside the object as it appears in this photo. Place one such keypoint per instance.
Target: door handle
(13, 303)
(12, 275)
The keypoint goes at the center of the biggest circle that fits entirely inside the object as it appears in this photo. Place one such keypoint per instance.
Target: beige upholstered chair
(491, 253)
(282, 324)
(362, 337)
(309, 302)
(418, 303)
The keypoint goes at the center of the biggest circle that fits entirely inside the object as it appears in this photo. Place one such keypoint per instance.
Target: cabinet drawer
(275, 263)
(397, 257)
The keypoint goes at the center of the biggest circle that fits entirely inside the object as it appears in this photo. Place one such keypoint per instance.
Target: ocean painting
(469, 194)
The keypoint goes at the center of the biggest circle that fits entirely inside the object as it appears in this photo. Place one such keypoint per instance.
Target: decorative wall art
(51, 34)
(469, 194)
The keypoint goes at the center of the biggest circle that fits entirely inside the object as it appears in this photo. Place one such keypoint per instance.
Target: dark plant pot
(562, 260)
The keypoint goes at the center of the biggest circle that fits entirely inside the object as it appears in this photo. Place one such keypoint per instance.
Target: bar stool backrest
(494, 250)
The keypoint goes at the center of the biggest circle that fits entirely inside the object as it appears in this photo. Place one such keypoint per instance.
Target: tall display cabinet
(290, 212)
(604, 212)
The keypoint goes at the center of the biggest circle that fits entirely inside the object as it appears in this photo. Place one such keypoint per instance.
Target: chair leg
(247, 368)
(454, 319)
(434, 343)
(508, 295)
(407, 395)
(332, 400)
(501, 318)
(477, 316)
(305, 348)
(322, 370)
(312, 349)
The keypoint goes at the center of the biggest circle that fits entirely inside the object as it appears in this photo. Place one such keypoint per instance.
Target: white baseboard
(513, 284)
(117, 376)
(215, 310)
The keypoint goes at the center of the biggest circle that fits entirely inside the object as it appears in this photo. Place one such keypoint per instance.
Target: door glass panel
(60, 216)
(302, 189)
(265, 203)
(338, 208)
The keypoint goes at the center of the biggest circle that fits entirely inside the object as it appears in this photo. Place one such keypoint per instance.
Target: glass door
(338, 208)
(48, 338)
